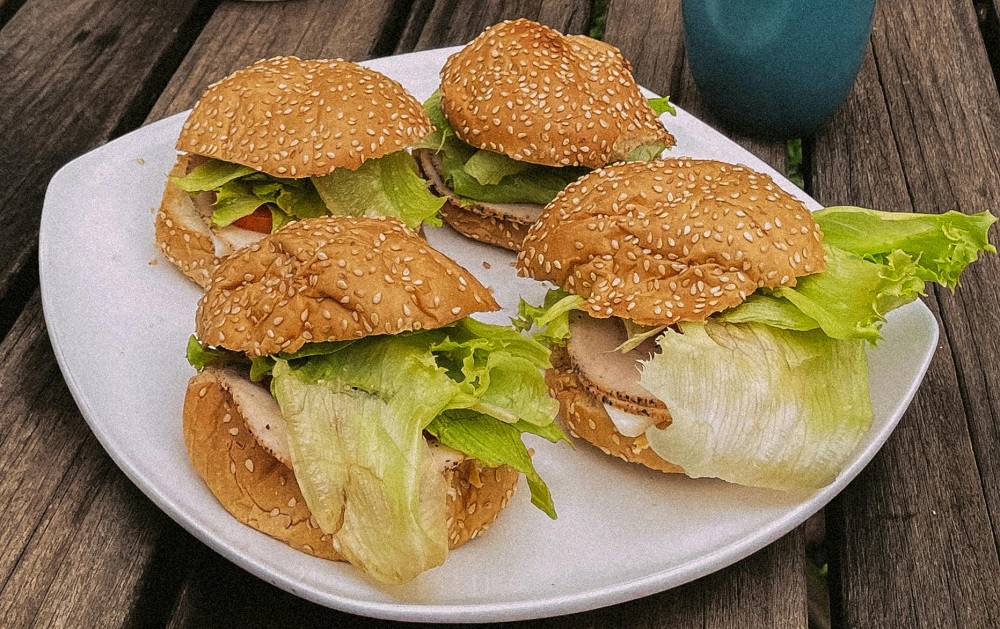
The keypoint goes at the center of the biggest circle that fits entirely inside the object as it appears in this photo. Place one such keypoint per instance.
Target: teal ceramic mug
(776, 68)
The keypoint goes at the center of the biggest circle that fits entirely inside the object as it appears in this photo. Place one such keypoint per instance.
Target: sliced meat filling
(430, 164)
(264, 419)
(613, 376)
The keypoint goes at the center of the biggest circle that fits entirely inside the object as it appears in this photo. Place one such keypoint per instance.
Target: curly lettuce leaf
(941, 245)
(759, 406)
(551, 318)
(876, 262)
(494, 443)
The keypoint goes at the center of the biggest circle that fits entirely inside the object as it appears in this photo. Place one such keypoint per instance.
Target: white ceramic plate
(119, 316)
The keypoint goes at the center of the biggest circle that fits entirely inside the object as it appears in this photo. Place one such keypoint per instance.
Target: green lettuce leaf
(941, 245)
(388, 186)
(551, 318)
(210, 175)
(383, 502)
(489, 168)
(759, 406)
(848, 300)
(200, 357)
(442, 128)
(646, 152)
(661, 105)
(489, 177)
(876, 262)
(635, 334)
(537, 185)
(493, 443)
(357, 411)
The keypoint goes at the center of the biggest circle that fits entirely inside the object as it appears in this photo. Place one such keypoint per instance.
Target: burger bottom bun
(261, 492)
(584, 416)
(485, 227)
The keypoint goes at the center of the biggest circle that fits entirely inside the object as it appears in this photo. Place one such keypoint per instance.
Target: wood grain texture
(72, 75)
(241, 33)
(915, 535)
(76, 535)
(440, 23)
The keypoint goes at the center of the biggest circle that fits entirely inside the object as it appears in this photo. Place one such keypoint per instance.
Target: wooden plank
(72, 76)
(916, 533)
(768, 589)
(433, 23)
(77, 534)
(240, 33)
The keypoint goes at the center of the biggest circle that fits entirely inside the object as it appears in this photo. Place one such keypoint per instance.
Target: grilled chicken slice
(611, 376)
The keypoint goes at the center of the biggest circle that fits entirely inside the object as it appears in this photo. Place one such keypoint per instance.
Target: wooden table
(912, 542)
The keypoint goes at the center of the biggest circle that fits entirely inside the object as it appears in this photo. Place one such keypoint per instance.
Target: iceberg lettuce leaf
(357, 411)
(759, 406)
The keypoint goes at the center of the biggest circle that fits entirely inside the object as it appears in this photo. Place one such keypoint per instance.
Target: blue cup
(775, 68)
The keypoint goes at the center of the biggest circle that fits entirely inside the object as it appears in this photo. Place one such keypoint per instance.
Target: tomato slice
(259, 221)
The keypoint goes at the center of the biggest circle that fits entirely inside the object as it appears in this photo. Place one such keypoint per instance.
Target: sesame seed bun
(261, 492)
(332, 279)
(289, 117)
(585, 417)
(536, 95)
(671, 240)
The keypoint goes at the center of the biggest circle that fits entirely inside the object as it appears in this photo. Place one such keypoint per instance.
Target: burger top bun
(290, 117)
(671, 240)
(332, 279)
(536, 95)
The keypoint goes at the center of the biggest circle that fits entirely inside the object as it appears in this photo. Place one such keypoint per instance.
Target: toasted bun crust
(290, 117)
(181, 232)
(671, 240)
(262, 493)
(584, 416)
(479, 223)
(534, 94)
(332, 279)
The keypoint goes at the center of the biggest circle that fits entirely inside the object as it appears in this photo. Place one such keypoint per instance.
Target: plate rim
(533, 608)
